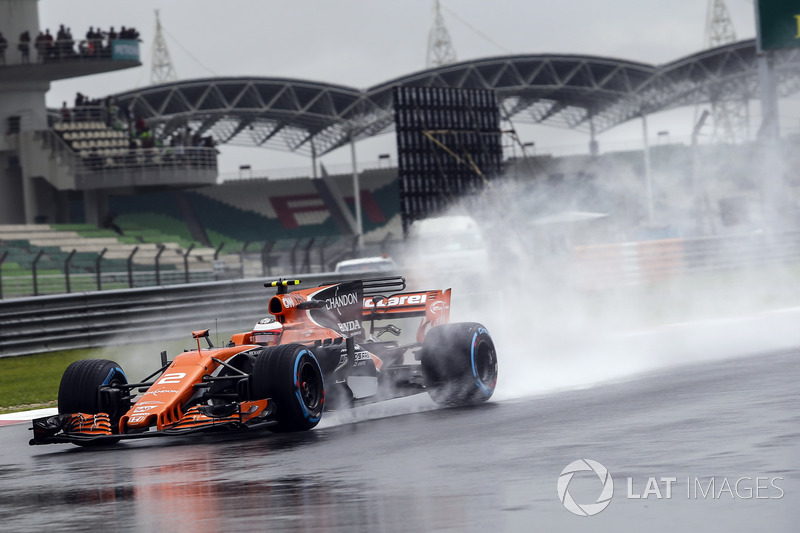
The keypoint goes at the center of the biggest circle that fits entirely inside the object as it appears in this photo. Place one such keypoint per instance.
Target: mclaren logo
(396, 301)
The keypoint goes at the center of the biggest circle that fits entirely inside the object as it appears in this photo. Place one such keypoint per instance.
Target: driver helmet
(267, 332)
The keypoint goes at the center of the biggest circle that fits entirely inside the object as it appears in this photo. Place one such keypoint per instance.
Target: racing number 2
(174, 377)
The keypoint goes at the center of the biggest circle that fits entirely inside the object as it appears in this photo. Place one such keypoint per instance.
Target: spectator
(98, 42)
(90, 38)
(128, 111)
(111, 111)
(94, 161)
(48, 41)
(24, 46)
(61, 37)
(64, 42)
(3, 46)
(147, 139)
(108, 222)
(79, 100)
(139, 126)
(129, 33)
(69, 46)
(41, 46)
(65, 114)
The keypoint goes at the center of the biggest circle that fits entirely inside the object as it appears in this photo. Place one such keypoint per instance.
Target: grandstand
(251, 215)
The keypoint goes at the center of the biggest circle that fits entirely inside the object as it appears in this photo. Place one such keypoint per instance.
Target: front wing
(82, 428)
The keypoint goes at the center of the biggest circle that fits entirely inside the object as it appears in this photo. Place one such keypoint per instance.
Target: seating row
(101, 144)
(105, 133)
(79, 125)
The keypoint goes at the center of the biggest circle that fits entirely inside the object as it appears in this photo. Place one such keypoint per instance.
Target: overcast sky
(361, 43)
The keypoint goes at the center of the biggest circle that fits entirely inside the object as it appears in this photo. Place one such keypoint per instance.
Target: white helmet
(267, 332)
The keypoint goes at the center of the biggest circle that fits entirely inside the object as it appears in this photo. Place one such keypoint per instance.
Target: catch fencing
(267, 259)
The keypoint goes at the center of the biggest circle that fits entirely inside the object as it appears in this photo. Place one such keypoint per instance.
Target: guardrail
(104, 318)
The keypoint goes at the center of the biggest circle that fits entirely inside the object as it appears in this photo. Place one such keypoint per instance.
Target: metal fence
(270, 258)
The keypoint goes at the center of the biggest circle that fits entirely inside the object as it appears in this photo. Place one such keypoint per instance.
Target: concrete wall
(17, 16)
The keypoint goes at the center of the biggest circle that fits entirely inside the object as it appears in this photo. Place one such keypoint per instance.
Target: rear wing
(380, 298)
(433, 305)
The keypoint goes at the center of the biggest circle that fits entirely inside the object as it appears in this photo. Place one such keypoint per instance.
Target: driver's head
(267, 332)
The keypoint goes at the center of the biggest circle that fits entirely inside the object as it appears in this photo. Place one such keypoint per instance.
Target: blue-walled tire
(459, 364)
(291, 377)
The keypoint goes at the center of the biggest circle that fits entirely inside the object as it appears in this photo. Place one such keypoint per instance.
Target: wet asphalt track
(406, 466)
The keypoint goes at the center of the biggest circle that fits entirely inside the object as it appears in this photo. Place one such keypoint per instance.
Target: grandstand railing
(70, 50)
(100, 166)
(303, 172)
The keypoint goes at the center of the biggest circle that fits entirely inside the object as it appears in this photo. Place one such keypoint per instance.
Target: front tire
(290, 375)
(459, 364)
(79, 391)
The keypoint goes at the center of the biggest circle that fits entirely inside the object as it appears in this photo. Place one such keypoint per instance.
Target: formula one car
(320, 349)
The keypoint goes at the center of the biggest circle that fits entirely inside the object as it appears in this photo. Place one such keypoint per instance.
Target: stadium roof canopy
(569, 91)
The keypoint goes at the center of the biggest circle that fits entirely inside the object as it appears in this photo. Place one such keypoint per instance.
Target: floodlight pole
(648, 178)
(698, 191)
(313, 160)
(772, 166)
(357, 196)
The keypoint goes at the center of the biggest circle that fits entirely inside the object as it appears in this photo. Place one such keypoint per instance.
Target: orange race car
(322, 348)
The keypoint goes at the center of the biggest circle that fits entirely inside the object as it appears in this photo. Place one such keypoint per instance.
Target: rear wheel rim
(485, 364)
(309, 384)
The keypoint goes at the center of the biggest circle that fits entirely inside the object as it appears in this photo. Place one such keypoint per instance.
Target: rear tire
(459, 364)
(79, 391)
(290, 375)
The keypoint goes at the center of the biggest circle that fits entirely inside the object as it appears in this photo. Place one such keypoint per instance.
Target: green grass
(31, 381)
